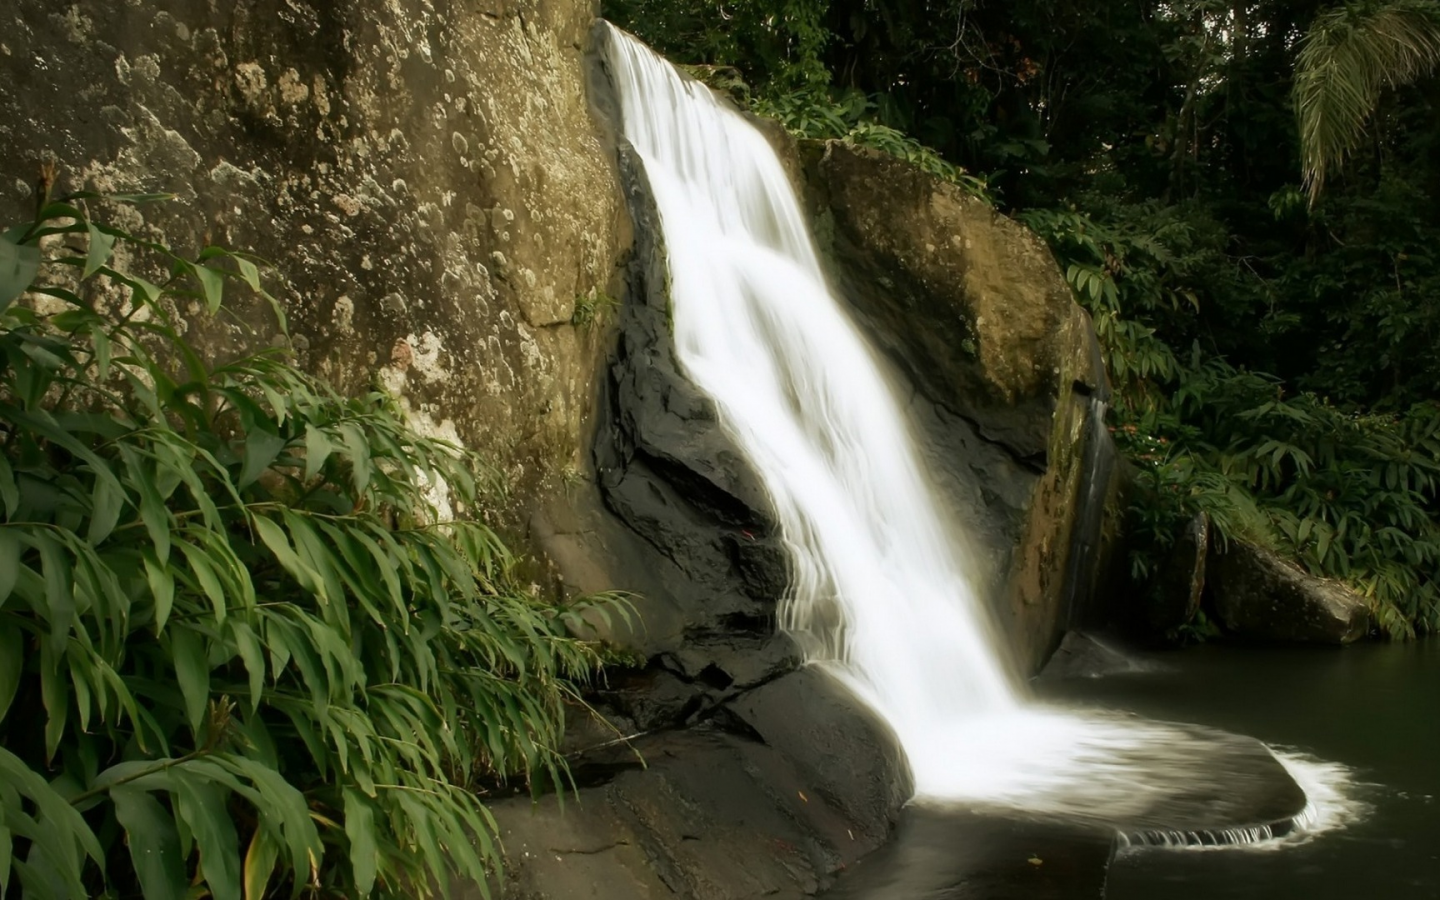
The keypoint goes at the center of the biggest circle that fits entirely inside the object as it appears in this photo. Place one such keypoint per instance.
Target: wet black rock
(847, 753)
(684, 522)
(711, 815)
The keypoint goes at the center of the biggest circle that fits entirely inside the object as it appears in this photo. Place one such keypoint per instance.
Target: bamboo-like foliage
(1347, 58)
(242, 653)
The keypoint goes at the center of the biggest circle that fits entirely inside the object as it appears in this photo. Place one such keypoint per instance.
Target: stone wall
(424, 175)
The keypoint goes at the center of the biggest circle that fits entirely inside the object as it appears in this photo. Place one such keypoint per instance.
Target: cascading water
(878, 587)
(880, 594)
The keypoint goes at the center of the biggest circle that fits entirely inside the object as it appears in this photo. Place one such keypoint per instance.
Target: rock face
(411, 169)
(1260, 596)
(680, 518)
(975, 315)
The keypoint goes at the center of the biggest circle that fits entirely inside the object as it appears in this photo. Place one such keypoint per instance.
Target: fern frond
(1347, 58)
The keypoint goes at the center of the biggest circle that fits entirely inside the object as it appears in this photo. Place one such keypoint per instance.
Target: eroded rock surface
(777, 811)
(425, 177)
(1259, 595)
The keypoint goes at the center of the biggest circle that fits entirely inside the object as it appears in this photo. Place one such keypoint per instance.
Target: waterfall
(880, 593)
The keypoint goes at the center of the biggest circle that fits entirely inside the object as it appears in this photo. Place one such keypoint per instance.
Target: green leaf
(212, 282)
(285, 805)
(203, 808)
(107, 501)
(14, 773)
(101, 245)
(154, 843)
(358, 449)
(101, 340)
(6, 842)
(261, 448)
(317, 449)
(260, 863)
(153, 512)
(54, 693)
(59, 596)
(9, 493)
(253, 656)
(19, 264)
(43, 423)
(360, 831)
(205, 574)
(248, 271)
(188, 650)
(12, 663)
(274, 537)
(162, 588)
(10, 547)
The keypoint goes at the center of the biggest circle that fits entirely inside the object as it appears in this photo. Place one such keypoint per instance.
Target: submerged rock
(988, 856)
(1259, 595)
(1083, 655)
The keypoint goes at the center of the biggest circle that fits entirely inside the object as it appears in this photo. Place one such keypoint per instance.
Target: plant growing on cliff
(244, 646)
(812, 113)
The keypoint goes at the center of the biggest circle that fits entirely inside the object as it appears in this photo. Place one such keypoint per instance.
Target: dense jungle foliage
(1242, 193)
(254, 637)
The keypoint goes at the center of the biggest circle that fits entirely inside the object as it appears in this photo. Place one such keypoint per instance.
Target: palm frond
(1349, 55)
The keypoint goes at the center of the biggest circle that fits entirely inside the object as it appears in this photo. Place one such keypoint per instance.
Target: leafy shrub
(1348, 494)
(241, 633)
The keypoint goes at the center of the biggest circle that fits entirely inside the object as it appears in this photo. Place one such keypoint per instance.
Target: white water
(880, 592)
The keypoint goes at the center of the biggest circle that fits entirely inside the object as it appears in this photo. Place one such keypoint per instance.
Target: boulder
(1004, 374)
(969, 302)
(1261, 596)
(711, 815)
(850, 757)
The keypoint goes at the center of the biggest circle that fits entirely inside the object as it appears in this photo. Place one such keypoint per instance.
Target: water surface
(1374, 708)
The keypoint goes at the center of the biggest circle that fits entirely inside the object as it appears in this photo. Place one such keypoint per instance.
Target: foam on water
(880, 588)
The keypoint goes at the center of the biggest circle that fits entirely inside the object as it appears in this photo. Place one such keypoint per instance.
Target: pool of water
(1374, 708)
